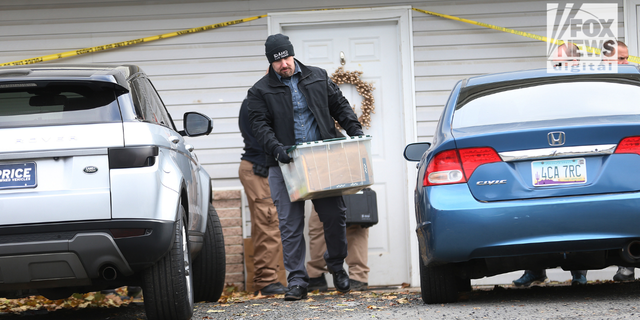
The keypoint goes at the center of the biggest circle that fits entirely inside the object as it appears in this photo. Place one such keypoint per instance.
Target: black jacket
(271, 109)
(252, 148)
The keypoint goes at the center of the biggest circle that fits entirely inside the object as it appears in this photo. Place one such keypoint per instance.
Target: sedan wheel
(438, 284)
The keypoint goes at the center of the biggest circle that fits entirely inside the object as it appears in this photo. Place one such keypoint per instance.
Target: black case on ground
(362, 208)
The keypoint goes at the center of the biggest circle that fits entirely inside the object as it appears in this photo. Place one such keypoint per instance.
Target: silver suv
(98, 189)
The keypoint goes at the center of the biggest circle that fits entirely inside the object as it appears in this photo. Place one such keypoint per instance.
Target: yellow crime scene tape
(126, 43)
(516, 32)
(229, 23)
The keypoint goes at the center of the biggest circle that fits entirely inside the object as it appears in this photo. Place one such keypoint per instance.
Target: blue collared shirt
(305, 125)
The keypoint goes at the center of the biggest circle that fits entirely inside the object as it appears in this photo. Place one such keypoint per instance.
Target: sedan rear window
(48, 103)
(549, 102)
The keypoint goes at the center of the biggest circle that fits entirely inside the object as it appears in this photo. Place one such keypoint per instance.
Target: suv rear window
(545, 102)
(50, 103)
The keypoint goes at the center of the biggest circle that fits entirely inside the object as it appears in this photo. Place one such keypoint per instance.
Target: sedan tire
(438, 284)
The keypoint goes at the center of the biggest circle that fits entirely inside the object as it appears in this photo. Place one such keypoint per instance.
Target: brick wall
(228, 204)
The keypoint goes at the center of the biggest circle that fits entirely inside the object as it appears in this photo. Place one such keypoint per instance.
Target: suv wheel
(438, 284)
(168, 285)
(209, 267)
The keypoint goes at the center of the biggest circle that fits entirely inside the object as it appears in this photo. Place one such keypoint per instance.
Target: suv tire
(209, 266)
(168, 285)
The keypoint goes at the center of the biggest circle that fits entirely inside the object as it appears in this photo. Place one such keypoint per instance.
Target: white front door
(373, 48)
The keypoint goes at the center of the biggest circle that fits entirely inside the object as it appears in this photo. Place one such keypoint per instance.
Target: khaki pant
(357, 248)
(265, 234)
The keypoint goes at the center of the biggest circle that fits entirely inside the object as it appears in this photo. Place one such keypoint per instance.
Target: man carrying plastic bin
(295, 103)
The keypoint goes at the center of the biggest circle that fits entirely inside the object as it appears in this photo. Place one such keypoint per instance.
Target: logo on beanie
(280, 55)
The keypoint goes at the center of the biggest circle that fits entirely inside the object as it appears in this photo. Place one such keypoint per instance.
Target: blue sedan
(529, 170)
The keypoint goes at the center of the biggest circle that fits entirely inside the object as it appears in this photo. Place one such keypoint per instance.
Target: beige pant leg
(265, 233)
(358, 257)
(357, 247)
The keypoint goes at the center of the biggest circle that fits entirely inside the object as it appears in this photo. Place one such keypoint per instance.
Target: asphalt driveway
(558, 300)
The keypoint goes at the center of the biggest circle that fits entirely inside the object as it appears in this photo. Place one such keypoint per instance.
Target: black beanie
(277, 47)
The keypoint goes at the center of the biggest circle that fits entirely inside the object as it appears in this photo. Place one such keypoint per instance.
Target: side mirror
(414, 151)
(197, 124)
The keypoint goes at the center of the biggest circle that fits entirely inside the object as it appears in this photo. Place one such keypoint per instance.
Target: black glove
(358, 133)
(281, 155)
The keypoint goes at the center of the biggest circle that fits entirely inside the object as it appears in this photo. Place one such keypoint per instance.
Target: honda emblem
(556, 138)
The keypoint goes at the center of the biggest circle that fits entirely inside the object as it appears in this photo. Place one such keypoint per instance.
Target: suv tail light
(629, 145)
(455, 166)
(132, 157)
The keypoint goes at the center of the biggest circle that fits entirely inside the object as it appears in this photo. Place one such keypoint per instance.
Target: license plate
(559, 172)
(18, 175)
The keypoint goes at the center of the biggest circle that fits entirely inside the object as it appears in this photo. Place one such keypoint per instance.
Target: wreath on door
(364, 89)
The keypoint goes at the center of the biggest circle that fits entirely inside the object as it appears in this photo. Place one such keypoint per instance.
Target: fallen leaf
(375, 307)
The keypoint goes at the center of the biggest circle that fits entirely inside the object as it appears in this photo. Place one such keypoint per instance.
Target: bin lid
(329, 141)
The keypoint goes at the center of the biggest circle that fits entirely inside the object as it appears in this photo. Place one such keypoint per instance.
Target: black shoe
(624, 274)
(341, 281)
(133, 291)
(271, 289)
(295, 293)
(109, 291)
(359, 286)
(319, 283)
(529, 278)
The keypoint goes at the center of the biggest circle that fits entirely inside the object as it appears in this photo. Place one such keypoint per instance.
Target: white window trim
(630, 26)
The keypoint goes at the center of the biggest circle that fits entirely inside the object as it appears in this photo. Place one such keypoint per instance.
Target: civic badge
(90, 169)
(556, 138)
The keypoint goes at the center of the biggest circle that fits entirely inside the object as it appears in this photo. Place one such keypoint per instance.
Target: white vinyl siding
(211, 71)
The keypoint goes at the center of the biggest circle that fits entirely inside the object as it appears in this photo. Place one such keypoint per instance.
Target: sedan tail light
(475, 157)
(629, 145)
(444, 168)
(455, 166)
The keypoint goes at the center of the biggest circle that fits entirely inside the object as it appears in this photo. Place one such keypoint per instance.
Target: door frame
(402, 15)
(630, 26)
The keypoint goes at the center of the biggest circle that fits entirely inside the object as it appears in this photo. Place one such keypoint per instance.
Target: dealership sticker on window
(18, 175)
(559, 172)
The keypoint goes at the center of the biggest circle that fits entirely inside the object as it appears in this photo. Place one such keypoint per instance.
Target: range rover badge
(90, 169)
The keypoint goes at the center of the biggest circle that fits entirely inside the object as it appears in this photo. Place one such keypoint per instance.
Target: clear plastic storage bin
(328, 168)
